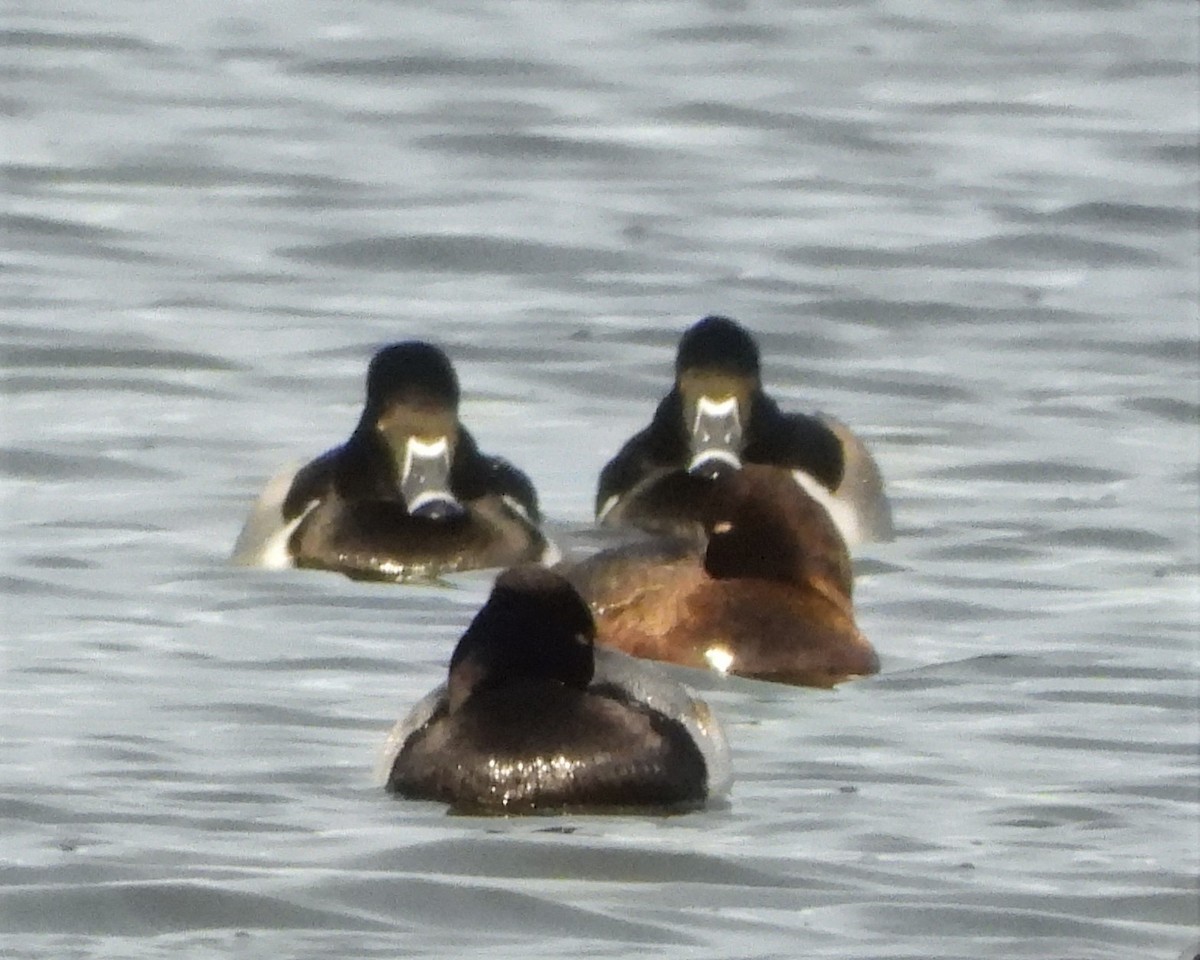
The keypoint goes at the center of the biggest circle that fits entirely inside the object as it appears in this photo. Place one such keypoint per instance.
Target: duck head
(761, 524)
(411, 416)
(533, 626)
(717, 378)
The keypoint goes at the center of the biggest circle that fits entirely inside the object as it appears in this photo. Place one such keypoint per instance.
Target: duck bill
(716, 439)
(425, 480)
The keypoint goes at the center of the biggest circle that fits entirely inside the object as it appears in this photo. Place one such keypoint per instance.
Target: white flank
(844, 514)
(264, 536)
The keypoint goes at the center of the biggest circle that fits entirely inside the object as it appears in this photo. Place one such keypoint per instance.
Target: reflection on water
(972, 238)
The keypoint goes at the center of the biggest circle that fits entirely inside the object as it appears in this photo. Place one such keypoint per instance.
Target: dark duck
(408, 495)
(534, 718)
(717, 417)
(769, 598)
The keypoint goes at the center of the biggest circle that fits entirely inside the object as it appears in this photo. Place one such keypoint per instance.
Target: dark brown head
(534, 625)
(761, 524)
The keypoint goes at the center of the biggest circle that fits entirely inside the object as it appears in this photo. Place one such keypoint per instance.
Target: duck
(770, 597)
(408, 496)
(717, 417)
(534, 718)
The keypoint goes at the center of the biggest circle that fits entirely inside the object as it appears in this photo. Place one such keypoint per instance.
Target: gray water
(969, 230)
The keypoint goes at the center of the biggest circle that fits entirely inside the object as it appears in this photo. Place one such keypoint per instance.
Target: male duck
(408, 495)
(769, 598)
(717, 417)
(533, 718)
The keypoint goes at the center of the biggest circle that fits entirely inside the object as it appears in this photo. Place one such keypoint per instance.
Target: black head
(718, 343)
(533, 626)
(409, 426)
(762, 525)
(414, 373)
(717, 383)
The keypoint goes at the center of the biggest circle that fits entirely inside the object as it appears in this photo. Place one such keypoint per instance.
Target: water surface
(969, 231)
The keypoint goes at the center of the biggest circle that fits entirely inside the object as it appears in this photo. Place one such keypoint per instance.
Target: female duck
(769, 599)
(408, 495)
(533, 718)
(717, 417)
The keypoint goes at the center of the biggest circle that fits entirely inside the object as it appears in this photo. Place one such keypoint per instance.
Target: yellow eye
(723, 527)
